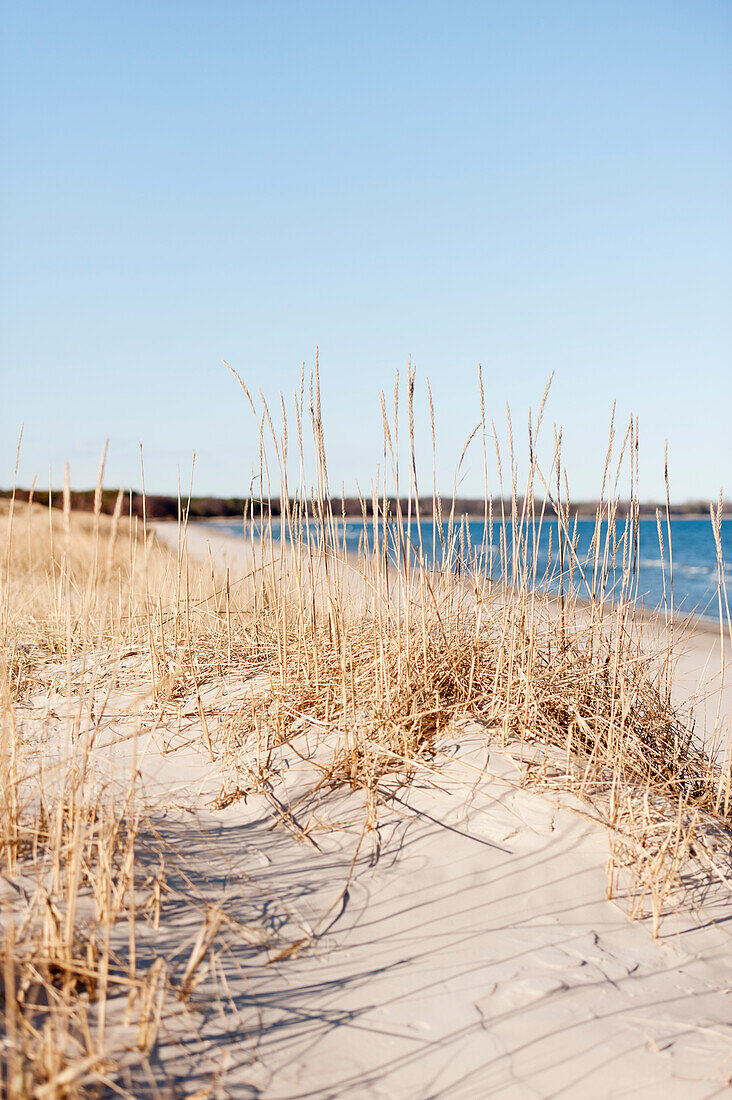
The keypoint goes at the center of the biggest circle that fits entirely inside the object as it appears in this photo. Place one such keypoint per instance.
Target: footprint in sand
(520, 991)
(517, 816)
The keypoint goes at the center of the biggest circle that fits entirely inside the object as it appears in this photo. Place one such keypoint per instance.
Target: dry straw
(359, 660)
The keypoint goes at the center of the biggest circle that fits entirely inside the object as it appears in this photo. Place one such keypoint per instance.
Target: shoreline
(477, 516)
(685, 622)
(334, 891)
(700, 677)
(473, 926)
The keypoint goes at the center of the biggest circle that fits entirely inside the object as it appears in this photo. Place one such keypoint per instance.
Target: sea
(696, 569)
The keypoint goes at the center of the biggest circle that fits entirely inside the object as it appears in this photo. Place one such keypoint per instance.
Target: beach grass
(364, 662)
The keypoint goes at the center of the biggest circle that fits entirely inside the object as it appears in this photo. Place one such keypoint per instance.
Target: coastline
(472, 931)
(301, 879)
(702, 656)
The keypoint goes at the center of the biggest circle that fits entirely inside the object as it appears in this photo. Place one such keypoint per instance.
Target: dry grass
(79, 628)
(359, 661)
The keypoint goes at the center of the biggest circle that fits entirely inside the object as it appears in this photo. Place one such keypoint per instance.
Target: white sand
(467, 951)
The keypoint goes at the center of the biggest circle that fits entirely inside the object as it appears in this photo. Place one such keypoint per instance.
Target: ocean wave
(680, 567)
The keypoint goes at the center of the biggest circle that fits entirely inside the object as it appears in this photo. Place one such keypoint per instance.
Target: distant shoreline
(226, 509)
(685, 516)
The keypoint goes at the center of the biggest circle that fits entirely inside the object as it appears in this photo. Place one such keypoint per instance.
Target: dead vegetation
(359, 662)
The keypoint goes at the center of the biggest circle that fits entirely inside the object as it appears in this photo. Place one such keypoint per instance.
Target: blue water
(695, 569)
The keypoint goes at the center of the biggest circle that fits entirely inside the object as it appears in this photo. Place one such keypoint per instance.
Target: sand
(463, 949)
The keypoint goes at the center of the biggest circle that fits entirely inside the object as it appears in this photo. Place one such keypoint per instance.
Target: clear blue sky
(534, 186)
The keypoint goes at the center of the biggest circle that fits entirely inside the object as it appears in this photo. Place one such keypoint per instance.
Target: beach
(273, 872)
(702, 657)
(468, 948)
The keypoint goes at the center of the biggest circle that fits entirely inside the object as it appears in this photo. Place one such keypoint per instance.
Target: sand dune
(465, 948)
